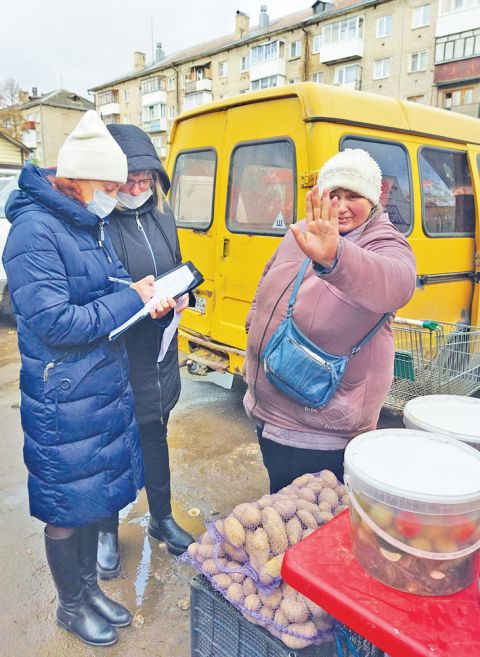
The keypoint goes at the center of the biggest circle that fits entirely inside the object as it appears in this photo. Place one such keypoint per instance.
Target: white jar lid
(450, 415)
(416, 465)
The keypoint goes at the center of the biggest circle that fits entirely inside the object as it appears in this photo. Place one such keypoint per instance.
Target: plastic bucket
(449, 415)
(414, 509)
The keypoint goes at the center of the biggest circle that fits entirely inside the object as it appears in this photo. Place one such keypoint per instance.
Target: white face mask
(101, 204)
(134, 202)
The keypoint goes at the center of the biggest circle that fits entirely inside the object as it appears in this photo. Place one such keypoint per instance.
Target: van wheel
(6, 310)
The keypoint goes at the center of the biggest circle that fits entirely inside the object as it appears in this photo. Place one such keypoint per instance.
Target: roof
(15, 142)
(207, 48)
(60, 98)
(327, 103)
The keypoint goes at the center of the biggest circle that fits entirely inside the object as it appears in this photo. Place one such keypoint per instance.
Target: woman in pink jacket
(362, 268)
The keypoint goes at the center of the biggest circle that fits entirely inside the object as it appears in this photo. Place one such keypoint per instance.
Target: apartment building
(425, 51)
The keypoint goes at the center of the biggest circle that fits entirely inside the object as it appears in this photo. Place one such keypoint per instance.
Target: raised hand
(321, 237)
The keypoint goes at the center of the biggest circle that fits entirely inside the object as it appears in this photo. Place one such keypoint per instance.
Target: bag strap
(369, 335)
(296, 287)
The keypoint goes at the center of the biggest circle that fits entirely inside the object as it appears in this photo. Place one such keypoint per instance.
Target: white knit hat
(353, 169)
(91, 153)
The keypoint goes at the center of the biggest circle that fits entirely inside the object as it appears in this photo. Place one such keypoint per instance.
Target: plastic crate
(217, 629)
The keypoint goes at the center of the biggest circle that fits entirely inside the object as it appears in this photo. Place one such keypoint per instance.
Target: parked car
(5, 189)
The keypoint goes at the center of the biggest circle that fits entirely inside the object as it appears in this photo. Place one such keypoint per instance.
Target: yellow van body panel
(315, 119)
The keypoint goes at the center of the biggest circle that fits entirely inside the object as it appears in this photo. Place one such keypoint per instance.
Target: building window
(172, 112)
(351, 28)
(456, 97)
(126, 95)
(106, 97)
(245, 64)
(396, 192)
(222, 69)
(317, 77)
(381, 69)
(447, 195)
(152, 84)
(418, 61)
(265, 83)
(171, 83)
(457, 46)
(196, 99)
(294, 80)
(317, 41)
(347, 75)
(265, 52)
(156, 141)
(193, 185)
(384, 26)
(421, 16)
(126, 118)
(111, 118)
(450, 6)
(417, 99)
(261, 193)
(154, 112)
(295, 49)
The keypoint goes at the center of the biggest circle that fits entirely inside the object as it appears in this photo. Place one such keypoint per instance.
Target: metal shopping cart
(433, 358)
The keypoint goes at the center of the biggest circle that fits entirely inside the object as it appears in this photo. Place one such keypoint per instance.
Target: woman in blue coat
(81, 440)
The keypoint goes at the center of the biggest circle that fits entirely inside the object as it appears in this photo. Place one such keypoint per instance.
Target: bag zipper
(140, 228)
(311, 354)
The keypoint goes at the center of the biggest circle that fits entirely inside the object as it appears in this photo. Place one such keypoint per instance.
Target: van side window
(193, 184)
(393, 160)
(261, 192)
(447, 194)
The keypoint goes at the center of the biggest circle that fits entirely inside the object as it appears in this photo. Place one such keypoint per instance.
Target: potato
(324, 506)
(280, 618)
(316, 485)
(306, 532)
(294, 530)
(267, 615)
(237, 577)
(285, 506)
(252, 602)
(308, 494)
(266, 500)
(345, 500)
(273, 525)
(328, 495)
(273, 566)
(233, 531)
(295, 610)
(258, 547)
(221, 581)
(193, 549)
(314, 609)
(206, 539)
(303, 480)
(340, 508)
(234, 553)
(248, 514)
(307, 630)
(271, 600)
(329, 478)
(206, 551)
(249, 586)
(235, 594)
(342, 490)
(210, 567)
(307, 520)
(324, 516)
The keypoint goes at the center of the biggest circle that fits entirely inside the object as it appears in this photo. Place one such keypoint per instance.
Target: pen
(119, 280)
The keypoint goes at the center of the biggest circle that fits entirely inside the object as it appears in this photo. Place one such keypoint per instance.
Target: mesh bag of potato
(242, 554)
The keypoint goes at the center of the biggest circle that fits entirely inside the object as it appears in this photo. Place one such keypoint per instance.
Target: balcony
(154, 98)
(192, 86)
(109, 109)
(268, 69)
(457, 21)
(157, 125)
(196, 99)
(341, 51)
(459, 71)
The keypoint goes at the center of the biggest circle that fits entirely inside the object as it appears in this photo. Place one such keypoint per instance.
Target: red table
(323, 568)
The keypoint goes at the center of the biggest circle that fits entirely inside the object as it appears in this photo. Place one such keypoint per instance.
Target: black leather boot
(73, 613)
(108, 556)
(167, 530)
(115, 613)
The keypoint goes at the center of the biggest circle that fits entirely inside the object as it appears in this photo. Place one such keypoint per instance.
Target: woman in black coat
(143, 232)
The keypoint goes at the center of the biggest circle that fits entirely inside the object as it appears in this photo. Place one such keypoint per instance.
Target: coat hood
(140, 152)
(37, 193)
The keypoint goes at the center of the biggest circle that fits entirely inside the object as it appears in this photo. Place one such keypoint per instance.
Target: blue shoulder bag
(297, 366)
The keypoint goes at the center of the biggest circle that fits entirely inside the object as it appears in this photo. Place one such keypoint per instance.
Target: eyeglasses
(144, 184)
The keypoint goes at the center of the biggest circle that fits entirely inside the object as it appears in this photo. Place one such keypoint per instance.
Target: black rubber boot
(115, 613)
(73, 613)
(108, 556)
(167, 530)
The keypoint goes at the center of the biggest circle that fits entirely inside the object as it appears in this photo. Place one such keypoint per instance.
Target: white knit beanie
(353, 169)
(91, 153)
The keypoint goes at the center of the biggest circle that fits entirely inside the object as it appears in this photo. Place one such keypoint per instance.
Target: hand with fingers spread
(321, 237)
(163, 307)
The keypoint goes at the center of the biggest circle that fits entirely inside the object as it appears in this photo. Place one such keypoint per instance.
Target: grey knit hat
(353, 169)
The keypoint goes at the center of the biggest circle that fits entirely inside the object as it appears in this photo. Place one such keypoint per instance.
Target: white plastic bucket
(449, 415)
(414, 509)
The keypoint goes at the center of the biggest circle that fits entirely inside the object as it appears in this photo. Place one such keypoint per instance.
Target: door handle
(226, 247)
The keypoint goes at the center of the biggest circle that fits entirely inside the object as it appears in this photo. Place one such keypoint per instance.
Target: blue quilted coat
(81, 440)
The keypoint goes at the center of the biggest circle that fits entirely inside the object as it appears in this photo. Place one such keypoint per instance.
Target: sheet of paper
(167, 337)
(170, 285)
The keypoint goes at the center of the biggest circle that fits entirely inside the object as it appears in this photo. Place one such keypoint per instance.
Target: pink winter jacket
(375, 274)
